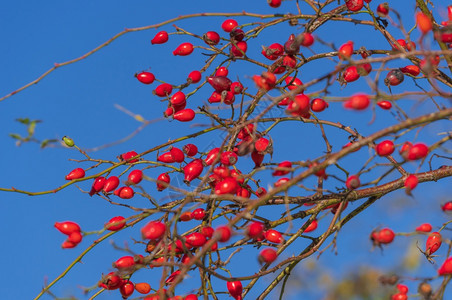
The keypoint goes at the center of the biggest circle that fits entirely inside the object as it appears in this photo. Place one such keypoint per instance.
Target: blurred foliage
(30, 137)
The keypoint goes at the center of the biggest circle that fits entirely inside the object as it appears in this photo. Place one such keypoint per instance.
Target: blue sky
(79, 100)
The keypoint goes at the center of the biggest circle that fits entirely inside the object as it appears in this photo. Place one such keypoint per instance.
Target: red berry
(163, 90)
(411, 69)
(220, 83)
(267, 256)
(364, 69)
(384, 104)
(195, 239)
(237, 34)
(229, 24)
(426, 227)
(228, 158)
(127, 157)
(153, 230)
(184, 115)
(433, 243)
(446, 267)
(354, 5)
(299, 106)
(135, 177)
(194, 77)
(402, 288)
(191, 297)
(273, 51)
(273, 236)
(145, 77)
(292, 46)
(190, 150)
(125, 192)
(357, 102)
(222, 71)
(255, 230)
(162, 181)
(292, 83)
(447, 206)
(198, 214)
(385, 148)
(321, 173)
(311, 227)
(274, 3)
(262, 145)
(172, 277)
(318, 105)
(350, 74)
(111, 184)
(67, 227)
(410, 46)
(212, 156)
(235, 289)
(115, 223)
(75, 237)
(400, 42)
(353, 182)
(178, 99)
(383, 10)
(289, 61)
(124, 262)
(308, 39)
(283, 168)
(192, 170)
(261, 192)
(266, 81)
(239, 49)
(410, 183)
(185, 217)
(399, 296)
(207, 231)
(226, 186)
(246, 131)
(183, 49)
(424, 24)
(417, 151)
(281, 181)
(224, 232)
(111, 281)
(166, 158)
(238, 176)
(236, 88)
(68, 245)
(394, 77)
(177, 154)
(405, 148)
(160, 38)
(211, 38)
(227, 97)
(346, 50)
(76, 174)
(386, 236)
(142, 287)
(97, 186)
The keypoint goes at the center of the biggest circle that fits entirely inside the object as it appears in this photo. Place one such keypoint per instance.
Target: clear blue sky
(78, 100)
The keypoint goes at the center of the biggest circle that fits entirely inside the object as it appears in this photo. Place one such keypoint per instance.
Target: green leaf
(15, 136)
(44, 143)
(25, 121)
(31, 128)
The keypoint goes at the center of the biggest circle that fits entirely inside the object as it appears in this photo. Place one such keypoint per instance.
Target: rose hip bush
(278, 159)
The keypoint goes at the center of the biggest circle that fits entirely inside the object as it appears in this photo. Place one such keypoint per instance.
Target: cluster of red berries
(72, 230)
(225, 178)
